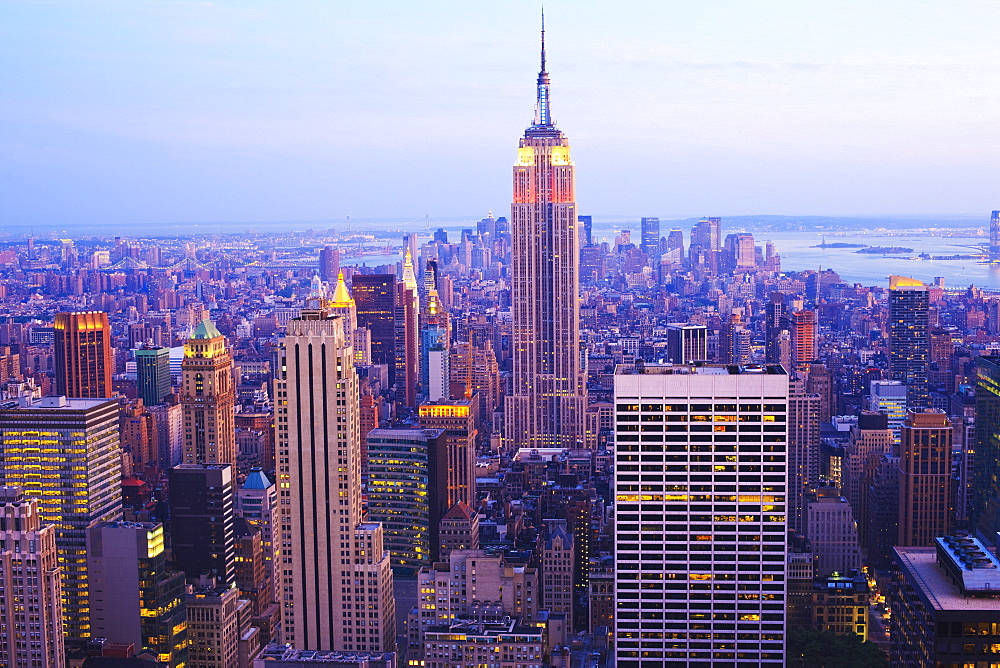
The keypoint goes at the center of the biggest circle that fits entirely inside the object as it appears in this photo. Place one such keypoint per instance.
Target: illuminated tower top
(543, 114)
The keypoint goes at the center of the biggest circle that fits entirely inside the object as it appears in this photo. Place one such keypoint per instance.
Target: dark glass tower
(909, 342)
(201, 520)
(984, 497)
(152, 366)
(651, 237)
(375, 298)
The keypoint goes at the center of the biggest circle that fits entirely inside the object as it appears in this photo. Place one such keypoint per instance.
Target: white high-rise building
(700, 515)
(337, 583)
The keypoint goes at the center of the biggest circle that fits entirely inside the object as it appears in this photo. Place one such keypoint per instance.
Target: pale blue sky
(151, 111)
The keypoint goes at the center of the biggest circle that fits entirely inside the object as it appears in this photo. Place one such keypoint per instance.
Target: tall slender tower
(548, 402)
(331, 557)
(909, 340)
(83, 357)
(208, 398)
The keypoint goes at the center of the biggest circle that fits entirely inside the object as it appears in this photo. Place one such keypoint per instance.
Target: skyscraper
(152, 368)
(329, 263)
(257, 501)
(687, 343)
(650, 237)
(700, 532)
(31, 624)
(66, 454)
(135, 598)
(909, 340)
(202, 497)
(405, 486)
(330, 554)
(984, 497)
(375, 298)
(83, 358)
(995, 235)
(548, 401)
(458, 418)
(925, 510)
(804, 350)
(208, 396)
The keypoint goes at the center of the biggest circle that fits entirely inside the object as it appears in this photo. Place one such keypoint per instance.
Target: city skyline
(254, 114)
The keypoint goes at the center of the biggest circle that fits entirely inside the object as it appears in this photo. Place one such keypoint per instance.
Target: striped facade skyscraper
(330, 555)
(548, 401)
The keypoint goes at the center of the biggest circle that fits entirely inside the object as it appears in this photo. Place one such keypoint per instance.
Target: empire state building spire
(547, 403)
(543, 115)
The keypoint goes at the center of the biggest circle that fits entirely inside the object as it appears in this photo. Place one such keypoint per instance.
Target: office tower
(152, 368)
(819, 380)
(31, 624)
(140, 454)
(995, 235)
(329, 553)
(201, 520)
(586, 230)
(405, 490)
(804, 328)
(208, 397)
(832, 532)
(803, 451)
(675, 242)
(475, 374)
(406, 332)
(548, 398)
(557, 569)
(945, 603)
(650, 237)
(257, 500)
(134, 596)
(217, 620)
(435, 376)
(984, 497)
(707, 234)
(734, 342)
(458, 418)
(775, 322)
(889, 398)
(687, 343)
(869, 441)
(882, 524)
(925, 509)
(250, 575)
(375, 297)
(329, 263)
(169, 421)
(909, 343)
(741, 253)
(83, 357)
(710, 512)
(65, 454)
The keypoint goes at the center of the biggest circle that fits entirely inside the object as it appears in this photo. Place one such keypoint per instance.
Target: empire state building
(548, 402)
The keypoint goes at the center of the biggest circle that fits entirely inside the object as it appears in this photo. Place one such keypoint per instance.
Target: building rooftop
(256, 480)
(936, 587)
(206, 329)
(698, 369)
(54, 403)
